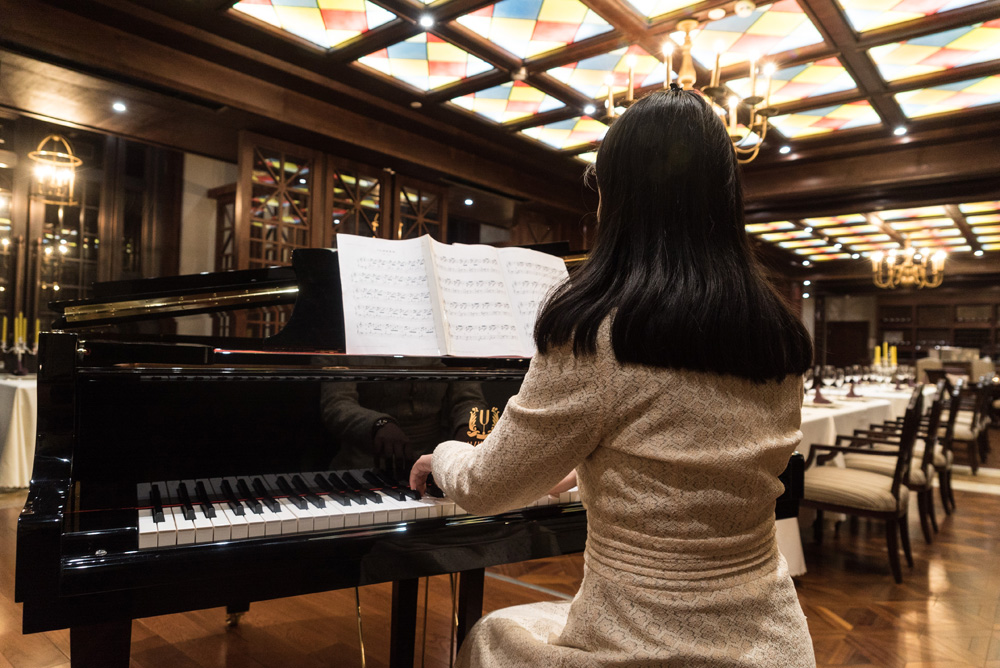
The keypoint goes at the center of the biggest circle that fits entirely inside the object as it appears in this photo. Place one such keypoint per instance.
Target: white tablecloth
(18, 400)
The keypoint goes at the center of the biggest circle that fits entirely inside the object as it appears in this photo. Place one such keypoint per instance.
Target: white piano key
(240, 527)
(320, 517)
(256, 524)
(147, 529)
(185, 527)
(300, 521)
(166, 531)
(393, 509)
(222, 530)
(273, 520)
(334, 513)
(204, 531)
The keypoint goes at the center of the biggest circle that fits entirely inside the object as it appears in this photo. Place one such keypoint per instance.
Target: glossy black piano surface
(115, 418)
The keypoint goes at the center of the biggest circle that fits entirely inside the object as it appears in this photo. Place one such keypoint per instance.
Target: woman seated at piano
(668, 380)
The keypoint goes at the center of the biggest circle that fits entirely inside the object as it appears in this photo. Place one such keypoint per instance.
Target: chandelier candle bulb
(732, 115)
(885, 350)
(668, 51)
(892, 356)
(715, 70)
(3, 341)
(878, 355)
(631, 78)
(753, 76)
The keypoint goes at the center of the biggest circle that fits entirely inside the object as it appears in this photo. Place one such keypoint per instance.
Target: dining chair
(922, 472)
(864, 493)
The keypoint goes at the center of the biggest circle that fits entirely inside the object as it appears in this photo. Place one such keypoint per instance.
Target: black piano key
(377, 483)
(265, 496)
(183, 497)
(356, 485)
(354, 496)
(224, 489)
(300, 486)
(322, 484)
(157, 501)
(286, 489)
(202, 493)
(401, 486)
(248, 497)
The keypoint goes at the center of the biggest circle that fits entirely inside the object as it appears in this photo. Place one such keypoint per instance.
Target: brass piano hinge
(361, 635)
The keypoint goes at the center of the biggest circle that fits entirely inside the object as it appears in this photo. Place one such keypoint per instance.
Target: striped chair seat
(887, 467)
(942, 458)
(853, 488)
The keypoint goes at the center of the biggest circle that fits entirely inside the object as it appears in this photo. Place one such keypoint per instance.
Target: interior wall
(848, 308)
(198, 224)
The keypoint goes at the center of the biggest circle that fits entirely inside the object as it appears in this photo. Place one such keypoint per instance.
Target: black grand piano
(175, 475)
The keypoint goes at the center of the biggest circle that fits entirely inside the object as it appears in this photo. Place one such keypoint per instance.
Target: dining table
(18, 409)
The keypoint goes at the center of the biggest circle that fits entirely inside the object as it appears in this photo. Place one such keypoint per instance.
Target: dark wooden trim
(962, 224)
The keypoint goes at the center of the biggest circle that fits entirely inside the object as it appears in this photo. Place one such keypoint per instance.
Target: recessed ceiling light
(302, 181)
(978, 253)
(119, 107)
(855, 256)
(805, 295)
(807, 282)
(468, 201)
(785, 150)
(416, 104)
(426, 21)
(336, 221)
(589, 109)
(899, 132)
(717, 13)
(806, 263)
(809, 229)
(838, 246)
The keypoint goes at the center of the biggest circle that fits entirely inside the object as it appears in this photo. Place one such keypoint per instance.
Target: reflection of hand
(392, 442)
(418, 474)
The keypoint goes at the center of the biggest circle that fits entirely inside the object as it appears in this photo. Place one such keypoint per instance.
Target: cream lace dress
(678, 471)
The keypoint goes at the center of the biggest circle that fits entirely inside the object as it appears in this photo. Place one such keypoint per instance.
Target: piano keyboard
(215, 510)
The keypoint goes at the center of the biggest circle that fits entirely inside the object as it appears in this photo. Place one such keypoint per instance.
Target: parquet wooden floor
(946, 614)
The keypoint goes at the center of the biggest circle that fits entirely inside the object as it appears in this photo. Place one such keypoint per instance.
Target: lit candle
(885, 350)
(38, 327)
(4, 342)
(611, 98)
(715, 70)
(892, 351)
(668, 51)
(878, 355)
(753, 75)
(732, 115)
(631, 78)
(769, 72)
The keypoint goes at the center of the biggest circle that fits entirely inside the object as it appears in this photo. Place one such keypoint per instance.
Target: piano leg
(235, 612)
(100, 645)
(470, 601)
(403, 629)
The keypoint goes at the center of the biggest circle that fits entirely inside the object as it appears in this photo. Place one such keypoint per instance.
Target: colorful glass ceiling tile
(528, 28)
(508, 102)
(757, 228)
(771, 29)
(939, 51)
(826, 119)
(987, 229)
(426, 62)
(821, 77)
(979, 207)
(919, 212)
(328, 23)
(887, 245)
(931, 243)
(654, 8)
(950, 97)
(785, 236)
(864, 239)
(856, 229)
(981, 220)
(589, 156)
(590, 76)
(569, 133)
(991, 247)
(803, 243)
(935, 233)
(990, 239)
(830, 256)
(829, 221)
(870, 14)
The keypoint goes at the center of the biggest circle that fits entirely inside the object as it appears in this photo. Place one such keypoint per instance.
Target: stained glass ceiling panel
(590, 76)
(653, 8)
(425, 62)
(941, 51)
(821, 77)
(829, 221)
(979, 207)
(984, 219)
(327, 23)
(769, 30)
(508, 102)
(570, 133)
(528, 28)
(589, 156)
(950, 97)
(827, 119)
(870, 14)
(918, 212)
(856, 229)
(785, 236)
(802, 243)
(757, 228)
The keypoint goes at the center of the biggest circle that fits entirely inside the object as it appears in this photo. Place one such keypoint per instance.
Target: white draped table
(18, 400)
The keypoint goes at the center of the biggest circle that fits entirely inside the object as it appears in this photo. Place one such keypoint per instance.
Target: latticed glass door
(421, 208)
(357, 202)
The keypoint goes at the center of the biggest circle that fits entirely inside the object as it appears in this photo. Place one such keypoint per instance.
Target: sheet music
(478, 317)
(530, 276)
(388, 302)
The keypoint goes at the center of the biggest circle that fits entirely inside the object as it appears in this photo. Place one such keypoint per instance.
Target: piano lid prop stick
(361, 635)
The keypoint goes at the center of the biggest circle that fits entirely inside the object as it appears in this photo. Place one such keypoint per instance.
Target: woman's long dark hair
(672, 263)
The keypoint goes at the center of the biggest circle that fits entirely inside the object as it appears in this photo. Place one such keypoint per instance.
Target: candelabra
(20, 346)
(907, 269)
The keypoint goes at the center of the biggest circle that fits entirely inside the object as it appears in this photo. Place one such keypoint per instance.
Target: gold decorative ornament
(481, 422)
(907, 268)
(55, 171)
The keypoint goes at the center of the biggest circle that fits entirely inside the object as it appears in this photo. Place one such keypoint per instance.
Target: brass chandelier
(55, 171)
(907, 268)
